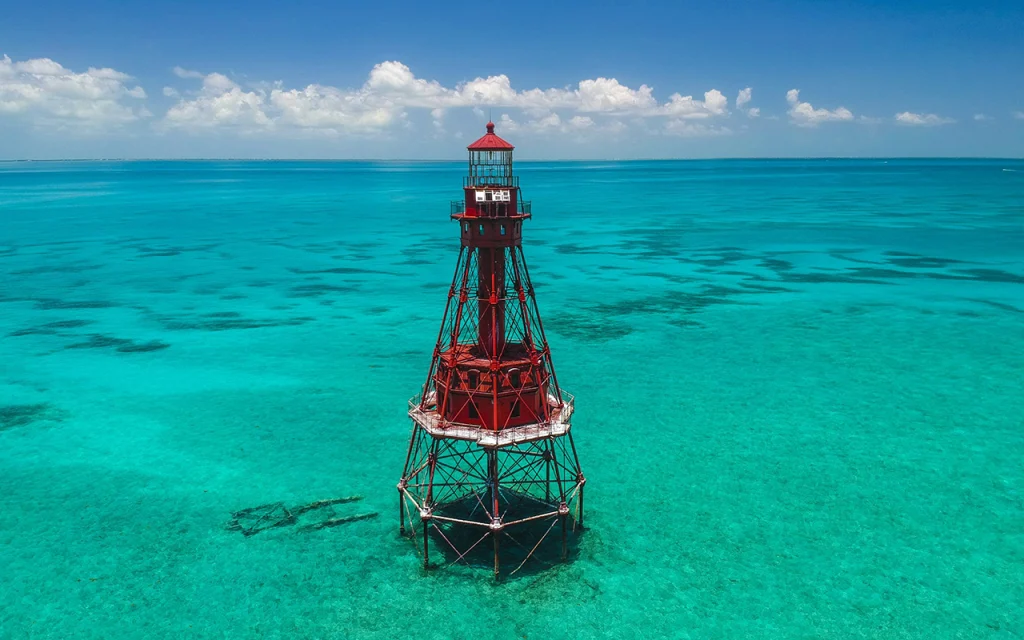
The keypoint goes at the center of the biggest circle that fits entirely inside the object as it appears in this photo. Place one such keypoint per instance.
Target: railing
(568, 401)
(491, 181)
(523, 208)
(559, 424)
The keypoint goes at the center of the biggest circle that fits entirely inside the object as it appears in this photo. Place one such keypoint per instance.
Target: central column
(491, 294)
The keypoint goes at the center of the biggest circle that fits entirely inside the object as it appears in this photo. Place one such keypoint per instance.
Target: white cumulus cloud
(921, 119)
(552, 122)
(391, 89)
(689, 129)
(805, 115)
(743, 98)
(47, 94)
(220, 102)
(322, 107)
(685, 107)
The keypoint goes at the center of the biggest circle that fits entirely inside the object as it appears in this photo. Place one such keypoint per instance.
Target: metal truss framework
(503, 300)
(462, 494)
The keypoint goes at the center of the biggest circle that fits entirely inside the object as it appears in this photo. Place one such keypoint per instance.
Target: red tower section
(491, 453)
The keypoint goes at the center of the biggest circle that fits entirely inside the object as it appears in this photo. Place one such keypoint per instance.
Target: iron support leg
(497, 566)
(581, 507)
(401, 513)
(565, 540)
(426, 552)
(548, 451)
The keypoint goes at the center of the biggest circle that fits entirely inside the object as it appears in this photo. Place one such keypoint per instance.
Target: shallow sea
(800, 398)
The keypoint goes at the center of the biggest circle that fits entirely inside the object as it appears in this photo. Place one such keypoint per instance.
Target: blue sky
(562, 80)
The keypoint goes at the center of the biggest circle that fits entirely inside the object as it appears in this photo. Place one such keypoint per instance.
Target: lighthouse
(491, 465)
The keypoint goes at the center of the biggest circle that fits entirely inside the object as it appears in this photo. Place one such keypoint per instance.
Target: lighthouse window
(473, 379)
(515, 409)
(466, 226)
(481, 229)
(472, 410)
(502, 229)
(515, 378)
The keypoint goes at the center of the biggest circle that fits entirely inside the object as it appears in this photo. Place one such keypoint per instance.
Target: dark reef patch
(231, 324)
(123, 345)
(668, 303)
(997, 305)
(742, 274)
(343, 271)
(841, 255)
(151, 251)
(722, 259)
(766, 288)
(586, 328)
(53, 304)
(685, 323)
(51, 328)
(671, 277)
(578, 249)
(875, 272)
(143, 347)
(826, 278)
(989, 275)
(922, 262)
(222, 314)
(720, 291)
(318, 290)
(68, 268)
(776, 265)
(188, 276)
(21, 415)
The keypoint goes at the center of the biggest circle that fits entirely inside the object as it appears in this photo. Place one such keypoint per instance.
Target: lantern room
(491, 191)
(490, 162)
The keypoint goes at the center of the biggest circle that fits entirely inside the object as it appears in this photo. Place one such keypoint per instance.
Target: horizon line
(527, 160)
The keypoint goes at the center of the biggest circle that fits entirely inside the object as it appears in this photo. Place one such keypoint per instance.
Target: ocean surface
(799, 384)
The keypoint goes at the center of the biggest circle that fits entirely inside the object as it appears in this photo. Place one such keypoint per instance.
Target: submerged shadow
(524, 550)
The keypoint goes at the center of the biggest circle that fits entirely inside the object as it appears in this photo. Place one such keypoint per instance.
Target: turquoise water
(799, 398)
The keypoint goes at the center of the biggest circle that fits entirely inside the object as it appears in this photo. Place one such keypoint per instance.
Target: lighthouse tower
(491, 464)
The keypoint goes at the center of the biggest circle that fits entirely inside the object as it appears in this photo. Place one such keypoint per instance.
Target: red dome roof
(490, 142)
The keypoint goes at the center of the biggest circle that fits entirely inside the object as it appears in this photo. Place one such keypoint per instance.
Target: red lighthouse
(491, 454)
